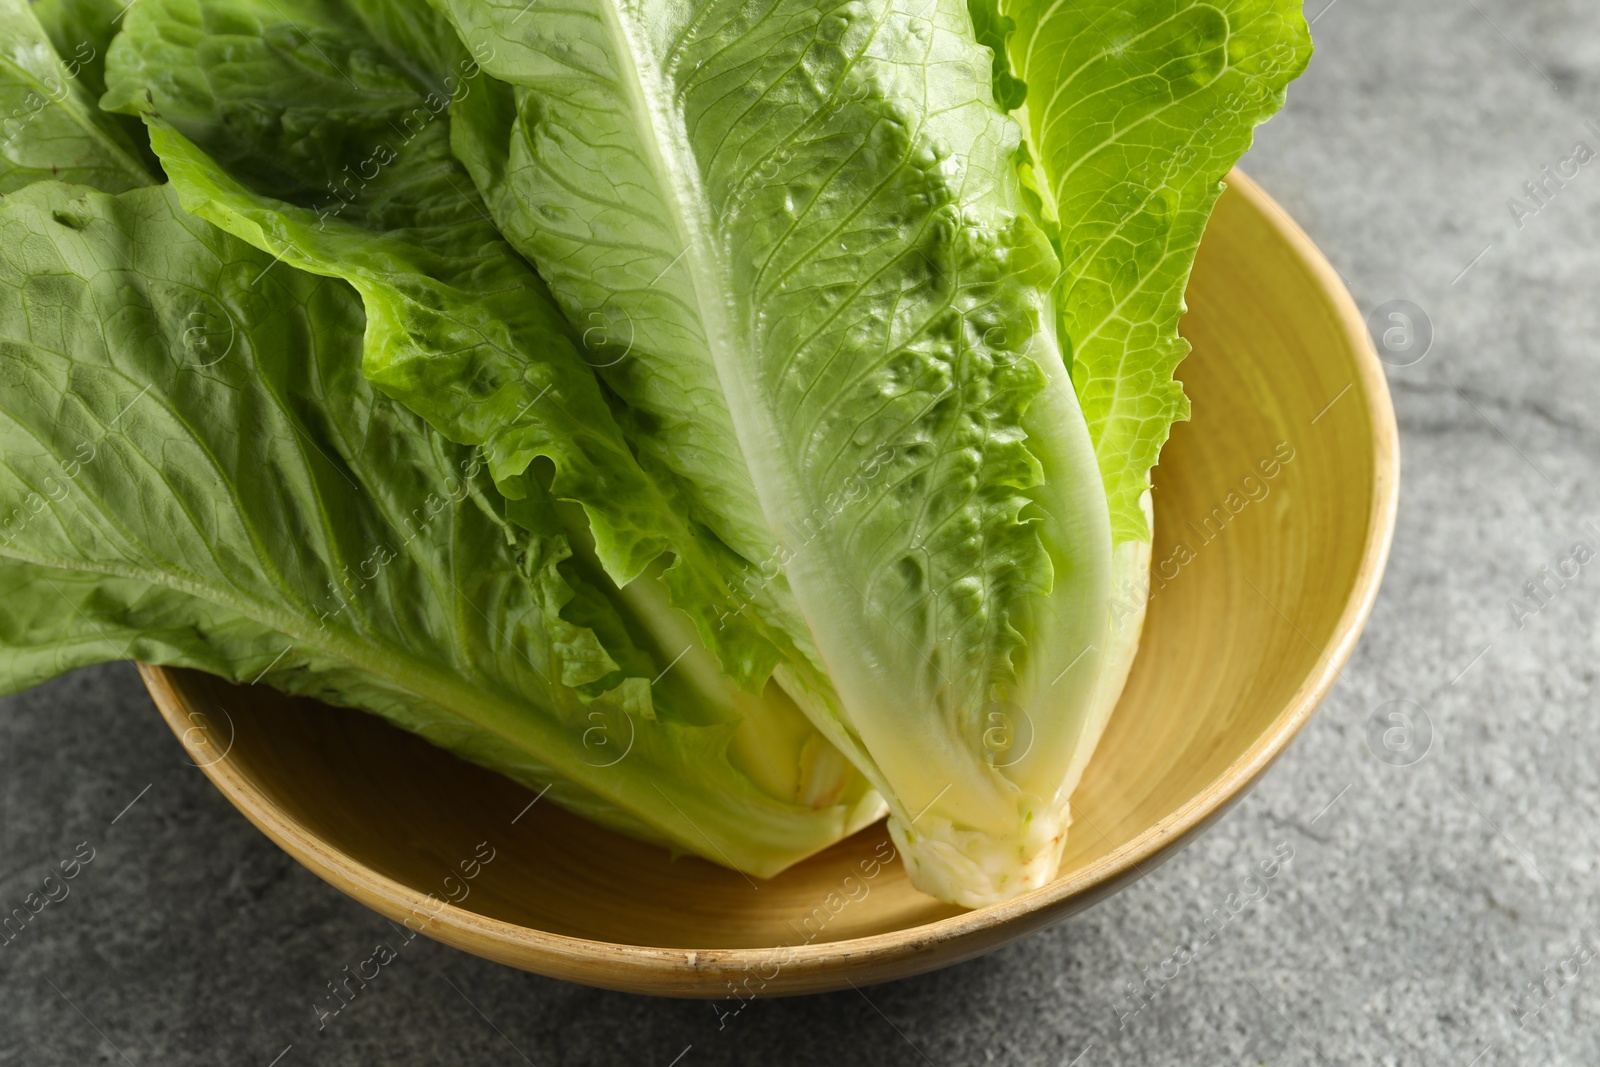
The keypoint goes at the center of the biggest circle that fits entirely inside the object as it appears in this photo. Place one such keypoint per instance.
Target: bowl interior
(1272, 512)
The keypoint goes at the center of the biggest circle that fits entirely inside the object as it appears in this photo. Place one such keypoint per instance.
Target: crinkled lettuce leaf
(336, 117)
(1133, 114)
(195, 473)
(319, 132)
(795, 237)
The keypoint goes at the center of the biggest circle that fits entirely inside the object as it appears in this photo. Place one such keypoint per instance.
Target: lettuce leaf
(82, 31)
(798, 243)
(49, 125)
(460, 329)
(195, 473)
(1133, 114)
(319, 132)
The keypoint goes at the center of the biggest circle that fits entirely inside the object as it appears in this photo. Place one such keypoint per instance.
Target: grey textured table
(1424, 903)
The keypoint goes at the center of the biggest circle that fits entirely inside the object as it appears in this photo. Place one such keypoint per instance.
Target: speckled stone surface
(1424, 904)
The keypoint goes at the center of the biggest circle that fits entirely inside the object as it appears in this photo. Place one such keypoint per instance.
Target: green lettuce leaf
(1133, 114)
(320, 133)
(82, 31)
(796, 240)
(196, 473)
(49, 125)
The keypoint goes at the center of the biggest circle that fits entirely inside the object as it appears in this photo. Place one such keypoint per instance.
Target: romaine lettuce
(817, 357)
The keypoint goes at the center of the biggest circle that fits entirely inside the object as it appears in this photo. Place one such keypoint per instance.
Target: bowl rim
(701, 972)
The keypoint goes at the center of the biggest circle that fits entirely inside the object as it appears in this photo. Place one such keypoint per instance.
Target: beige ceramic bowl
(1254, 613)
